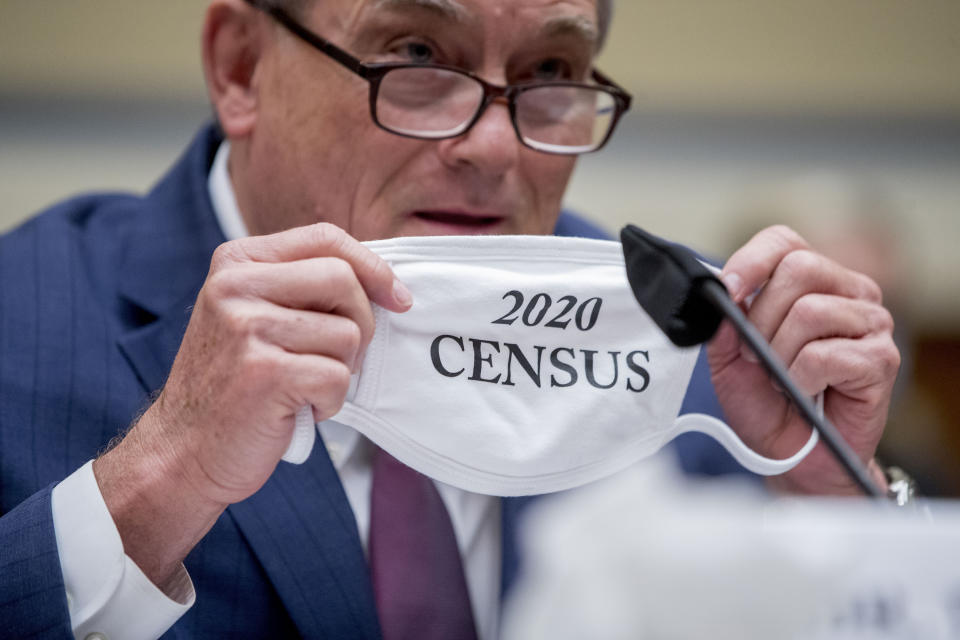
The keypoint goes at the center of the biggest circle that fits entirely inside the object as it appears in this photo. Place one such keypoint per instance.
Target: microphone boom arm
(688, 302)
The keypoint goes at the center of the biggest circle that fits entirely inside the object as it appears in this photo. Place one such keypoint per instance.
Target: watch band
(901, 488)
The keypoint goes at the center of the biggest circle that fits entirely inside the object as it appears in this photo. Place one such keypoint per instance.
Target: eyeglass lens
(437, 103)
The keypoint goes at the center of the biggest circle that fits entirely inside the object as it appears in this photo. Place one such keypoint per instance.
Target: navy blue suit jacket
(95, 295)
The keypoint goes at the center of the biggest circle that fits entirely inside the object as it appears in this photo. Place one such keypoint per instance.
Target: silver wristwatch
(901, 488)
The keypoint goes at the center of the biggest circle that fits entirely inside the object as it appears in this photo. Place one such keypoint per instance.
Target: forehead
(543, 17)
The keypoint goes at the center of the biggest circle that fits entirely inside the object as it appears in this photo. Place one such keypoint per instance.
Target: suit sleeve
(107, 593)
(33, 602)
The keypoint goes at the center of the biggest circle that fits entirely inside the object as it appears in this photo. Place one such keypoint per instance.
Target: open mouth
(459, 222)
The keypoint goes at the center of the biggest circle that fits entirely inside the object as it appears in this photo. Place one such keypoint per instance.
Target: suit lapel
(150, 349)
(304, 533)
(300, 524)
(166, 256)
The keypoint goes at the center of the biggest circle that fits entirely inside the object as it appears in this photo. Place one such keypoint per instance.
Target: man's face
(316, 155)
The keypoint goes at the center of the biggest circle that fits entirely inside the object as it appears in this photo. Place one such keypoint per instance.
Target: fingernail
(734, 284)
(747, 354)
(401, 294)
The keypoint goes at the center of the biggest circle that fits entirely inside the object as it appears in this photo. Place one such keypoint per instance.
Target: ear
(233, 42)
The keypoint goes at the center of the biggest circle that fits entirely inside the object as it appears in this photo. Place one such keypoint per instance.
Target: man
(96, 294)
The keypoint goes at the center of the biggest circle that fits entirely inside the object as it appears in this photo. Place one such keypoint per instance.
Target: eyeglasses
(434, 102)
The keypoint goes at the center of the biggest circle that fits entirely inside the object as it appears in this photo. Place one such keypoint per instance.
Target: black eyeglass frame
(373, 72)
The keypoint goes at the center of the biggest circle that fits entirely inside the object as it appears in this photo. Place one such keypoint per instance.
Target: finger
(753, 264)
(798, 274)
(316, 284)
(254, 293)
(323, 240)
(316, 380)
(818, 316)
(864, 368)
(724, 348)
(311, 333)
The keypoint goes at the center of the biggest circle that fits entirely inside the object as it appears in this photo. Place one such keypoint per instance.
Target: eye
(552, 69)
(417, 52)
(419, 47)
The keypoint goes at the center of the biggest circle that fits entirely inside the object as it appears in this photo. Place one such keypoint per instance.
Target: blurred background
(839, 117)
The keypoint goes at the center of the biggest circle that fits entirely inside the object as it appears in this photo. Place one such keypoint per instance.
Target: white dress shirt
(106, 591)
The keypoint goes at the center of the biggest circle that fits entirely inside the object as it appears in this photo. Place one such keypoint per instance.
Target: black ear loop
(688, 302)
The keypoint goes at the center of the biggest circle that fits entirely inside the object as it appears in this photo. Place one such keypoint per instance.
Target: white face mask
(525, 366)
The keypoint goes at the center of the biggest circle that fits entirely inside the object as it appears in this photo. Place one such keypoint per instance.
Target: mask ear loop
(301, 443)
(304, 427)
(747, 457)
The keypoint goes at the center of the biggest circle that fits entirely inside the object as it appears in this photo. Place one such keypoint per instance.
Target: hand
(281, 322)
(826, 323)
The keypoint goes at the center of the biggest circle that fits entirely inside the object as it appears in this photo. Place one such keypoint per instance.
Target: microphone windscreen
(666, 280)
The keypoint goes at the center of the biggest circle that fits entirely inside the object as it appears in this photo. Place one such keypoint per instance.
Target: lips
(459, 222)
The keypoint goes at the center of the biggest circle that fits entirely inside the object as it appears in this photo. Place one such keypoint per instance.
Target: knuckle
(869, 289)
(338, 270)
(327, 235)
(339, 276)
(239, 324)
(378, 268)
(884, 362)
(221, 256)
(813, 357)
(339, 378)
(261, 366)
(233, 323)
(366, 320)
(873, 396)
(800, 264)
(221, 284)
(225, 255)
(882, 319)
(808, 309)
(331, 388)
(352, 337)
(784, 236)
(890, 358)
(241, 319)
(254, 324)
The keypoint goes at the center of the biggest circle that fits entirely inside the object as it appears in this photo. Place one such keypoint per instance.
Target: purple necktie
(418, 579)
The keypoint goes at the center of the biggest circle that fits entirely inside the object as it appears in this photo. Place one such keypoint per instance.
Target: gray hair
(604, 16)
(604, 13)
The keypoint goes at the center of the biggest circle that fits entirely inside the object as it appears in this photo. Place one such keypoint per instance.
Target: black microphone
(688, 302)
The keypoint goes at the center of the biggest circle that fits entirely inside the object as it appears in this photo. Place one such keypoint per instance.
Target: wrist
(156, 509)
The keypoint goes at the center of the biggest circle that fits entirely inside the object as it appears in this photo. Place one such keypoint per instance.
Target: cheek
(323, 135)
(547, 178)
(383, 168)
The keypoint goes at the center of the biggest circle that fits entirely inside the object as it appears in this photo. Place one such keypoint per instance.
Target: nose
(490, 147)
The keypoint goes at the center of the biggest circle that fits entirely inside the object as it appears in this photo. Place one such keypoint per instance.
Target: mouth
(444, 222)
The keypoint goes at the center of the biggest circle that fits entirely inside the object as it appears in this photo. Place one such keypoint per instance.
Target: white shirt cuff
(106, 591)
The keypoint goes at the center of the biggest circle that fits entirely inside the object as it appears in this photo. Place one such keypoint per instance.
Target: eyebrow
(577, 26)
(450, 9)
